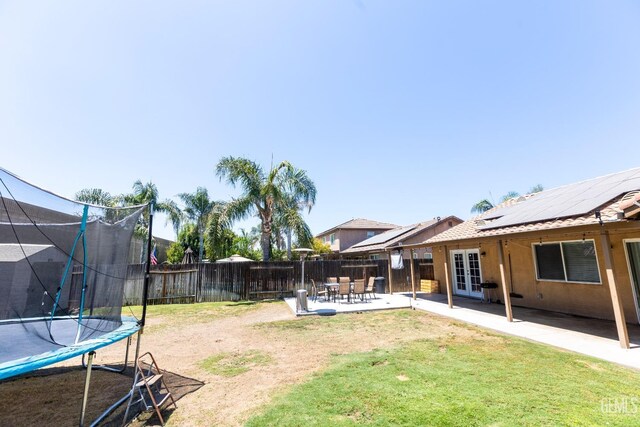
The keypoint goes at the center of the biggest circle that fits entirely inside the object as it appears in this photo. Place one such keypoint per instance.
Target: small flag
(154, 259)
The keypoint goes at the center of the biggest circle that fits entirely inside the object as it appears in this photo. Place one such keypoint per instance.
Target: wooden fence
(257, 280)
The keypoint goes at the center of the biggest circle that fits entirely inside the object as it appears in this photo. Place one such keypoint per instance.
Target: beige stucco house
(349, 233)
(376, 247)
(573, 249)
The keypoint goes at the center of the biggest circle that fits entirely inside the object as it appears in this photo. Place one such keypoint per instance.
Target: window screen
(577, 259)
(549, 259)
(580, 262)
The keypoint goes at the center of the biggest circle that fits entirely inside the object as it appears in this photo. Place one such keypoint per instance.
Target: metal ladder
(149, 387)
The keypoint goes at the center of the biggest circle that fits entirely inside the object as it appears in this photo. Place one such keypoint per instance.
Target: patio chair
(345, 279)
(370, 288)
(344, 288)
(332, 280)
(315, 291)
(358, 288)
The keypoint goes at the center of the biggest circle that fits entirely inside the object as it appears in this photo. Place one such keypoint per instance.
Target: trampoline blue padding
(21, 353)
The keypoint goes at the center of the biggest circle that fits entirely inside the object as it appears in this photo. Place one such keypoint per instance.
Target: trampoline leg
(137, 347)
(86, 387)
(107, 368)
(135, 377)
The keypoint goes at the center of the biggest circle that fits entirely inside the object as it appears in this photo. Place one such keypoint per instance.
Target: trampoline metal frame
(141, 323)
(92, 350)
(89, 367)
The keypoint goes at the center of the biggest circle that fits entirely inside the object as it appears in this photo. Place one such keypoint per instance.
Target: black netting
(51, 247)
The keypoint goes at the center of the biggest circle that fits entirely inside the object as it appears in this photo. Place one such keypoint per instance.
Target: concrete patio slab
(328, 308)
(592, 337)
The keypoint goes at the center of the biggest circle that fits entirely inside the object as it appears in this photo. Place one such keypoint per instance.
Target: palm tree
(536, 189)
(96, 196)
(148, 193)
(244, 244)
(509, 195)
(266, 194)
(482, 206)
(288, 221)
(198, 208)
(174, 215)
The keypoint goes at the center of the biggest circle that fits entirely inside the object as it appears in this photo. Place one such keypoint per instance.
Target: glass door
(475, 275)
(633, 260)
(466, 272)
(459, 273)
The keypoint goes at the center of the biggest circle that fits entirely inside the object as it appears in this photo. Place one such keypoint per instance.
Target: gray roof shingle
(360, 223)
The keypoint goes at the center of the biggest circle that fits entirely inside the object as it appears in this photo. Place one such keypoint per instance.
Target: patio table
(332, 289)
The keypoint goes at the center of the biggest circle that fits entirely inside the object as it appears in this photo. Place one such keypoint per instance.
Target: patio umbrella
(188, 257)
(235, 258)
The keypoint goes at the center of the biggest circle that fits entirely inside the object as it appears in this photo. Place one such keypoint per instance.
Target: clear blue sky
(400, 111)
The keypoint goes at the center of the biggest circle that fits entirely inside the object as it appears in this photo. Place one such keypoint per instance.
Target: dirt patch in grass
(251, 352)
(233, 364)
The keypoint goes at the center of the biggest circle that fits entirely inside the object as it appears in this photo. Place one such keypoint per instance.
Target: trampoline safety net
(63, 266)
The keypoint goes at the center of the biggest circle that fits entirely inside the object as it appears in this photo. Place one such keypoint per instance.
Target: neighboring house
(29, 272)
(347, 234)
(573, 249)
(375, 247)
(136, 250)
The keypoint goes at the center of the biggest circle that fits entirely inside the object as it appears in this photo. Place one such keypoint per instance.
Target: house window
(370, 234)
(415, 255)
(428, 256)
(374, 257)
(567, 262)
(332, 238)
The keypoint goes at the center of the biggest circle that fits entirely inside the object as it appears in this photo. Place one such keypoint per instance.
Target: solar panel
(566, 201)
(384, 237)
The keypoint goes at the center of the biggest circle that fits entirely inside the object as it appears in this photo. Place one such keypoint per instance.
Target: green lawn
(487, 380)
(177, 315)
(425, 370)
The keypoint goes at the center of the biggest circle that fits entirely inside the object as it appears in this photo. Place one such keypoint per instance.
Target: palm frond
(239, 170)
(481, 206)
(510, 195)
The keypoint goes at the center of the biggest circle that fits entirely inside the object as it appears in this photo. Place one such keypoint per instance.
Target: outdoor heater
(301, 297)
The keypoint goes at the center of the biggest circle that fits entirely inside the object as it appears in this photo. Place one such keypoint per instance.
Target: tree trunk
(200, 241)
(265, 244)
(265, 239)
(289, 244)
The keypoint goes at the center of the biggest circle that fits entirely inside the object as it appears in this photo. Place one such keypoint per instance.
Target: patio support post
(618, 310)
(390, 273)
(446, 277)
(505, 291)
(413, 276)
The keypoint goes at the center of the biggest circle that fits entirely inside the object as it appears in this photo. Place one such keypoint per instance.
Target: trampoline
(63, 268)
(26, 354)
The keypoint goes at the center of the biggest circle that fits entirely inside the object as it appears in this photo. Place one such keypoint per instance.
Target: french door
(632, 248)
(466, 272)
